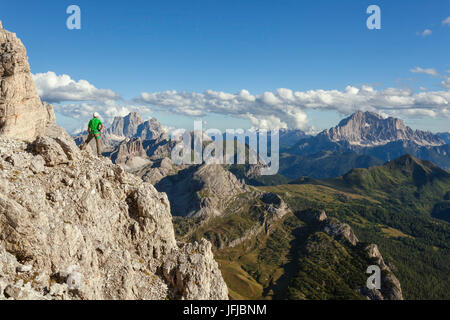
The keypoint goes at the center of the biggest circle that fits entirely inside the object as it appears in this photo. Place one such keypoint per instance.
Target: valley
(268, 249)
(270, 265)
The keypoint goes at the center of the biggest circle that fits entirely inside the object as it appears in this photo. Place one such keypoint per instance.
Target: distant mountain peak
(369, 129)
(132, 125)
(361, 116)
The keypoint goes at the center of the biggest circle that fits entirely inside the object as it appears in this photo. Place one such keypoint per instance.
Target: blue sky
(226, 46)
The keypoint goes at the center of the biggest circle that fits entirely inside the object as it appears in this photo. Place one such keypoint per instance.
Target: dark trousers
(97, 141)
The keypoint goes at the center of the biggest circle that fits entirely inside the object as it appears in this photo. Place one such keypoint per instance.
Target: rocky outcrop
(63, 210)
(331, 226)
(22, 113)
(158, 170)
(390, 286)
(313, 215)
(201, 191)
(130, 154)
(205, 281)
(335, 228)
(274, 209)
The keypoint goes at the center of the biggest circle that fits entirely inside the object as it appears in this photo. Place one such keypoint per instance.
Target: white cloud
(446, 82)
(286, 108)
(55, 88)
(107, 109)
(446, 21)
(425, 33)
(282, 108)
(429, 71)
(414, 113)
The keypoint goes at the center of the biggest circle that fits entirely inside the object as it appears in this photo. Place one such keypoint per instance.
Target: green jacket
(94, 125)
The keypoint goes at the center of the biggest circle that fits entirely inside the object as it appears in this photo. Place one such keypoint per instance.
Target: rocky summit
(133, 126)
(73, 226)
(62, 209)
(371, 129)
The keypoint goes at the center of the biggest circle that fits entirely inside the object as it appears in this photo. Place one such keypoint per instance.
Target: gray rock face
(201, 191)
(158, 170)
(335, 228)
(275, 209)
(370, 129)
(22, 113)
(133, 126)
(151, 130)
(82, 213)
(205, 281)
(130, 154)
(126, 126)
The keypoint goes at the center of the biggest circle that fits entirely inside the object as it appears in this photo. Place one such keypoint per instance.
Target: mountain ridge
(368, 129)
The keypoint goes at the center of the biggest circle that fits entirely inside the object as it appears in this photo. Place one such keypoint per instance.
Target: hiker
(94, 128)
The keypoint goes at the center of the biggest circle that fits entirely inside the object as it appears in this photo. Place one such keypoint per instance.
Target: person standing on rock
(94, 128)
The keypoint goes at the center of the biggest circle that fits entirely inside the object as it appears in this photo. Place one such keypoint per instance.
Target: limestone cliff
(22, 113)
(65, 212)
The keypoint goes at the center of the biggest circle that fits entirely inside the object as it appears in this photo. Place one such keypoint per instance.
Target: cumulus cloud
(446, 21)
(55, 88)
(107, 109)
(282, 108)
(429, 71)
(77, 100)
(446, 82)
(285, 108)
(425, 33)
